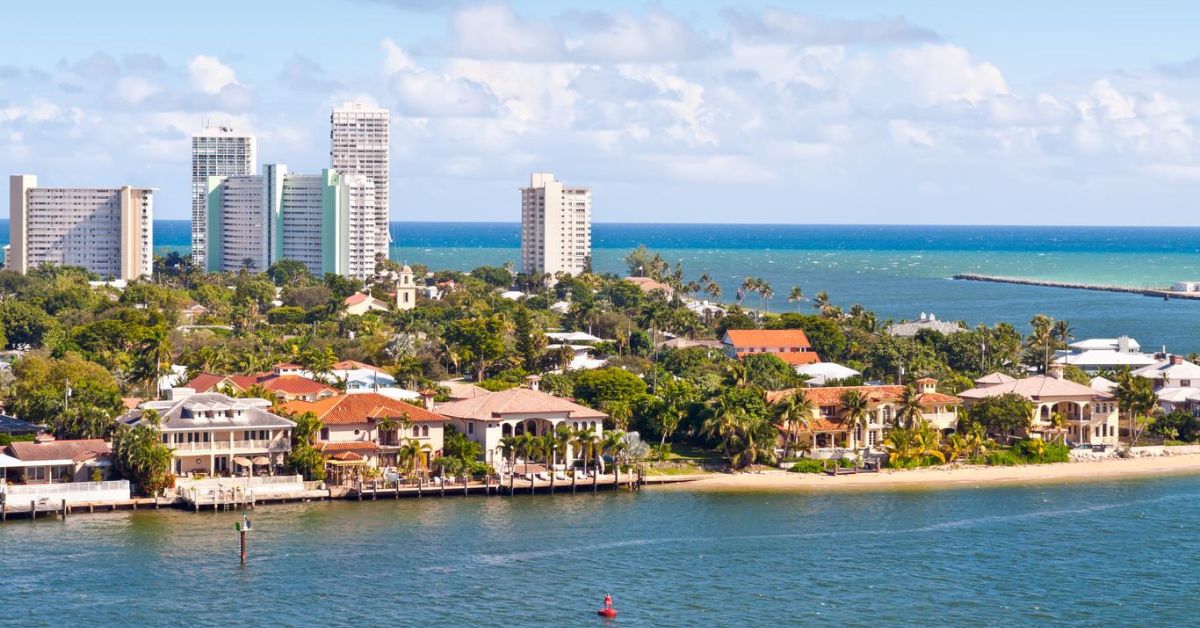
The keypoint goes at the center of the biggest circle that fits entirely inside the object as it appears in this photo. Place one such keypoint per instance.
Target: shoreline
(945, 478)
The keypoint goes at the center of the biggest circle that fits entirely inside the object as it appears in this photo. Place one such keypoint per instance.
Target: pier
(226, 498)
(1161, 293)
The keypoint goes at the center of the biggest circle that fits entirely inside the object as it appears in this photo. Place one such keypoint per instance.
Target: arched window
(424, 430)
(506, 430)
(416, 430)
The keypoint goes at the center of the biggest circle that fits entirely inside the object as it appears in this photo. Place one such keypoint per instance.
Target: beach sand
(945, 477)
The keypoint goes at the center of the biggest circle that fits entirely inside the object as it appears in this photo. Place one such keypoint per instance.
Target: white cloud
(497, 32)
(134, 90)
(209, 75)
(808, 30)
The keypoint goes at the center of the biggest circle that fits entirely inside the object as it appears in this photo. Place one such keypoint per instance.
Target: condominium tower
(326, 221)
(556, 227)
(217, 151)
(108, 231)
(359, 143)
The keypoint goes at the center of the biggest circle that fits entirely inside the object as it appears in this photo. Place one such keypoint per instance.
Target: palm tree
(1135, 396)
(765, 292)
(585, 440)
(1058, 425)
(899, 445)
(410, 455)
(722, 424)
(792, 411)
(955, 447)
(749, 286)
(795, 295)
(613, 442)
(927, 441)
(909, 408)
(619, 411)
(736, 373)
(508, 450)
(854, 414)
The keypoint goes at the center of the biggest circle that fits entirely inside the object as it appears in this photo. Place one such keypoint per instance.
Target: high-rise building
(217, 151)
(108, 231)
(556, 227)
(325, 221)
(359, 143)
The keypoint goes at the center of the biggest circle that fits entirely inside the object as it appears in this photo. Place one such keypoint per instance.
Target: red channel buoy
(608, 611)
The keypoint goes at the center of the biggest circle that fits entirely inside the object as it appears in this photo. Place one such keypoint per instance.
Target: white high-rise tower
(360, 144)
(217, 151)
(556, 226)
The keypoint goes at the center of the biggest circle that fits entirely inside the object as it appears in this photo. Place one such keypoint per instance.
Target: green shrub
(1002, 459)
(845, 463)
(807, 465)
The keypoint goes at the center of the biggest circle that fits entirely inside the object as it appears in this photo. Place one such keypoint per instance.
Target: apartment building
(325, 221)
(360, 144)
(556, 226)
(217, 151)
(108, 231)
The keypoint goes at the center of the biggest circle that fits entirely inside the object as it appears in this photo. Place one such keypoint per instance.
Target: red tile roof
(346, 365)
(746, 338)
(351, 409)
(356, 298)
(794, 358)
(348, 446)
(286, 384)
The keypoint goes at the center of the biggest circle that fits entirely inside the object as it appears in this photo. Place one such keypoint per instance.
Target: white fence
(261, 485)
(19, 495)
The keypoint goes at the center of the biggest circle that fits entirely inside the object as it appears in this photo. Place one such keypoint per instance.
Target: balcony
(237, 446)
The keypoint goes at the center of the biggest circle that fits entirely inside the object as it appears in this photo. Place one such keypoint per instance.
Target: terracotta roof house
(828, 427)
(284, 387)
(351, 422)
(359, 303)
(487, 418)
(649, 286)
(216, 434)
(789, 345)
(46, 461)
(1092, 415)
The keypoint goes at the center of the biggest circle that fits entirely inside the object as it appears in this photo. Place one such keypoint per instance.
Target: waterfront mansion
(1091, 415)
(215, 434)
(829, 427)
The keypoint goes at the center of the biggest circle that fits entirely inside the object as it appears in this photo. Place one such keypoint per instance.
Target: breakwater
(1161, 293)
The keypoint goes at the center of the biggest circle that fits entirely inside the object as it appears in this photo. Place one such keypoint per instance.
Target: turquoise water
(1106, 553)
(898, 271)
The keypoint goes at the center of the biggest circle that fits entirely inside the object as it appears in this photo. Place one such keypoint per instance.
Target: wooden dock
(237, 500)
(1159, 293)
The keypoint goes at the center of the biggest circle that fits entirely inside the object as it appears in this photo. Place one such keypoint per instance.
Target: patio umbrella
(261, 460)
(242, 462)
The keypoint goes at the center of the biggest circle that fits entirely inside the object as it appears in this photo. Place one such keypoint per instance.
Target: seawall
(1161, 293)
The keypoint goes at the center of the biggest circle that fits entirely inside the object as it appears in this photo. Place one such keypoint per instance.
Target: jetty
(1161, 293)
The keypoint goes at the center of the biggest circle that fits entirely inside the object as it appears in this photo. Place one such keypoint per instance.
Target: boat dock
(236, 498)
(1161, 293)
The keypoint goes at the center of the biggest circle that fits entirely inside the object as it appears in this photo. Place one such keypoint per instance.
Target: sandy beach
(946, 477)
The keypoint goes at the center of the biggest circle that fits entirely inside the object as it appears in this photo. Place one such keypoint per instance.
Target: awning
(261, 460)
(242, 462)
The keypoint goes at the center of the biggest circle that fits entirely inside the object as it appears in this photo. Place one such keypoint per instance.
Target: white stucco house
(488, 418)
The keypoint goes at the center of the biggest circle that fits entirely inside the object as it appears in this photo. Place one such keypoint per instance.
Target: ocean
(897, 271)
(1112, 553)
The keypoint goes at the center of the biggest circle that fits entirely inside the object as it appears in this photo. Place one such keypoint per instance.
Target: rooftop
(75, 450)
(767, 338)
(516, 401)
(349, 409)
(181, 414)
(1037, 387)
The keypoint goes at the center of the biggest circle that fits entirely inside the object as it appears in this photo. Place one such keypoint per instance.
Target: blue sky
(799, 112)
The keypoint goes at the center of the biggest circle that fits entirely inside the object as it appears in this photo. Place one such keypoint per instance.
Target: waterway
(1105, 553)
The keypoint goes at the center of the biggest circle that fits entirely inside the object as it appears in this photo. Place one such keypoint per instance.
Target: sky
(869, 112)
